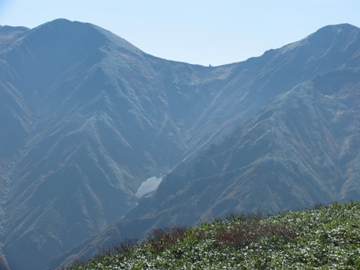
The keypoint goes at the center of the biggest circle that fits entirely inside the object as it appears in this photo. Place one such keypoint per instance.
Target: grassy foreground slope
(325, 237)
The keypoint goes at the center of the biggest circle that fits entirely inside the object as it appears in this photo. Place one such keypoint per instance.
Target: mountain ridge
(212, 189)
(89, 117)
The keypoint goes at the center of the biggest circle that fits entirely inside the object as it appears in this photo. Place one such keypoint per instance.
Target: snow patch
(148, 186)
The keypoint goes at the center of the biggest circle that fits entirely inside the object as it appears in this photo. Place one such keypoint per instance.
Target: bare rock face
(85, 118)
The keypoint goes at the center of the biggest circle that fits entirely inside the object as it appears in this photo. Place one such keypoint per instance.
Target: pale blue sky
(195, 31)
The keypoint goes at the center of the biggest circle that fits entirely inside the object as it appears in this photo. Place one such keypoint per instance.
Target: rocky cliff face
(86, 117)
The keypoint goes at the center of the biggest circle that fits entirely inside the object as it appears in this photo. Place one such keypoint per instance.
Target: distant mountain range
(86, 118)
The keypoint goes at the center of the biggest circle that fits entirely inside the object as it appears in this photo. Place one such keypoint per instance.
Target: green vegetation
(325, 237)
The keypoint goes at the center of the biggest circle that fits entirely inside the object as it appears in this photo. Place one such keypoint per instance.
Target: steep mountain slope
(259, 80)
(85, 121)
(86, 117)
(300, 150)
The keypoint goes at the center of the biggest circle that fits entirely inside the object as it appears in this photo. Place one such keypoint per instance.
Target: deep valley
(86, 118)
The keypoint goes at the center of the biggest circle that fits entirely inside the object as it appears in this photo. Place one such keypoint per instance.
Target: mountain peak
(60, 44)
(79, 29)
(62, 31)
(333, 33)
(326, 42)
(59, 21)
(338, 27)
